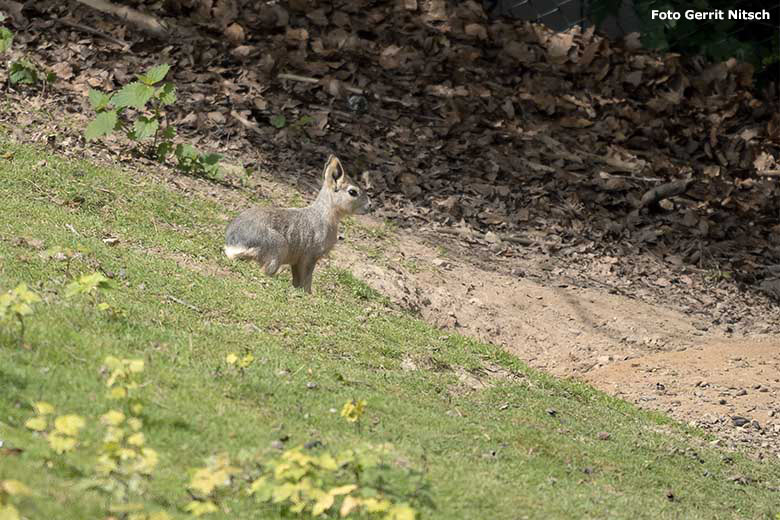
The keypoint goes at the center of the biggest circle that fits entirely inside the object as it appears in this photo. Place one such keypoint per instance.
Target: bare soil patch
(655, 354)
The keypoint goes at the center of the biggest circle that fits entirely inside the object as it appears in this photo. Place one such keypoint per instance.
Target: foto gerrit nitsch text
(716, 14)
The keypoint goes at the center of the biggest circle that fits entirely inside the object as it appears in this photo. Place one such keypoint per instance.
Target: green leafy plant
(136, 95)
(124, 461)
(138, 111)
(88, 284)
(190, 160)
(278, 121)
(209, 484)
(11, 490)
(123, 380)
(91, 284)
(6, 36)
(18, 303)
(302, 122)
(65, 254)
(61, 432)
(353, 483)
(22, 71)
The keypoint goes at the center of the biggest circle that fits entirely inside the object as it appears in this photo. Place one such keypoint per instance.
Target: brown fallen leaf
(476, 30)
(296, 35)
(390, 57)
(216, 117)
(574, 122)
(235, 34)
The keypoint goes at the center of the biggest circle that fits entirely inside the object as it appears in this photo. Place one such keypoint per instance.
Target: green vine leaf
(145, 127)
(98, 100)
(24, 72)
(6, 39)
(134, 95)
(155, 74)
(278, 121)
(166, 94)
(103, 124)
(87, 284)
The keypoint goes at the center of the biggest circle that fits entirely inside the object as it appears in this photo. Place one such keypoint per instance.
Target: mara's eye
(353, 192)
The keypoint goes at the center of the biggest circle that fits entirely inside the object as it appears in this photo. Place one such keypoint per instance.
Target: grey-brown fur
(297, 236)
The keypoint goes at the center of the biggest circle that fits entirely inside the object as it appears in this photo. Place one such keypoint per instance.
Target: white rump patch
(236, 251)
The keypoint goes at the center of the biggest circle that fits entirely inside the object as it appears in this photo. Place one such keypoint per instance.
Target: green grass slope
(524, 446)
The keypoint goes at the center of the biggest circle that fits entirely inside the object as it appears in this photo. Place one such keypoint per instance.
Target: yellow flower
(353, 410)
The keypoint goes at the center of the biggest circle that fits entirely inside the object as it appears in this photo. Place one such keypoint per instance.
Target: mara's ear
(332, 172)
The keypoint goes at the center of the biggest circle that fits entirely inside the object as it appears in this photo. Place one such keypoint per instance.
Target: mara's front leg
(308, 274)
(297, 274)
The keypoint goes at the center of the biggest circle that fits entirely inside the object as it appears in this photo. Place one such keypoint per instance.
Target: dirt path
(648, 354)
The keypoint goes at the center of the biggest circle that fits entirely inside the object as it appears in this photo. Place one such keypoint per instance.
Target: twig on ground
(664, 191)
(354, 90)
(182, 302)
(83, 28)
(246, 122)
(143, 21)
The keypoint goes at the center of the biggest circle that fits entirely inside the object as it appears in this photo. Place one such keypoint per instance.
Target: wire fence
(717, 38)
(559, 15)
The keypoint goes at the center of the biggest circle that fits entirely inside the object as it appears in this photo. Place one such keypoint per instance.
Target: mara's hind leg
(271, 266)
(302, 274)
(273, 260)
